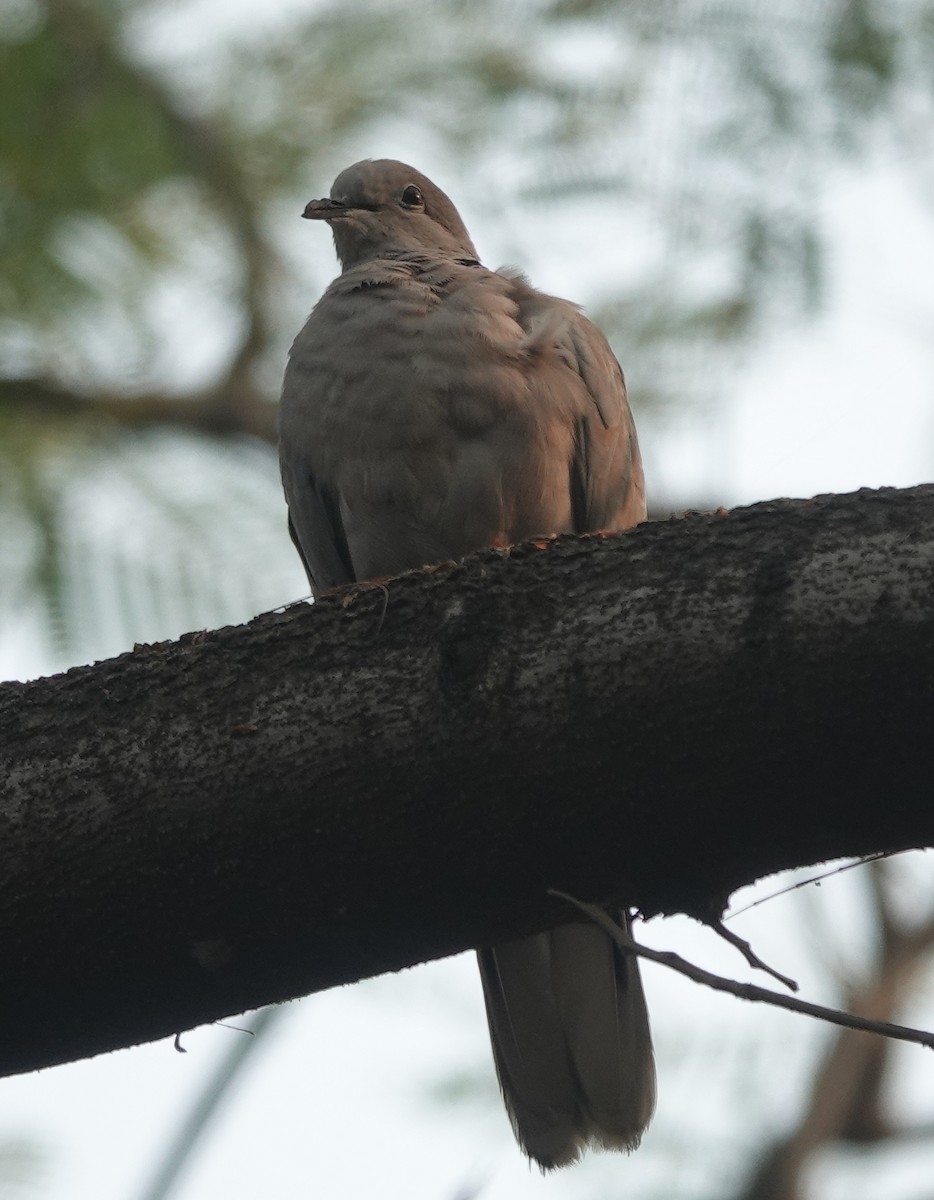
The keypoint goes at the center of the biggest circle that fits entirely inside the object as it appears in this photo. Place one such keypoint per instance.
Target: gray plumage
(430, 408)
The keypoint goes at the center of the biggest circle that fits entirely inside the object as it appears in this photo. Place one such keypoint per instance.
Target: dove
(430, 408)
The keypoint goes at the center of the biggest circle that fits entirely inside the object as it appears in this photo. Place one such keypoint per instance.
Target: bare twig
(793, 887)
(750, 955)
(746, 991)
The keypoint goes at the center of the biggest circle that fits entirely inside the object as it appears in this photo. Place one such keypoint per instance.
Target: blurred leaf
(137, 538)
(23, 1163)
(76, 137)
(864, 48)
(137, 185)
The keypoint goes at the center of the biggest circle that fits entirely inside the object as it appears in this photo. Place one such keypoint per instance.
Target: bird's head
(381, 207)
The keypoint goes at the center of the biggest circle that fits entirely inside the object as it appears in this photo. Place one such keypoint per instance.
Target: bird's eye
(412, 197)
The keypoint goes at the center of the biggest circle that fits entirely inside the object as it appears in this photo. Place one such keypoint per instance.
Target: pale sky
(338, 1104)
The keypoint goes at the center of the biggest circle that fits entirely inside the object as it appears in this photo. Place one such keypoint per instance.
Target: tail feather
(571, 1041)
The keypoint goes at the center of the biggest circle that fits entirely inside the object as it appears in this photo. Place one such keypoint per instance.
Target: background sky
(386, 1088)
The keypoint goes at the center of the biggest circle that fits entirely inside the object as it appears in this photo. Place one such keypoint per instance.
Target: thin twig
(746, 991)
(793, 887)
(750, 955)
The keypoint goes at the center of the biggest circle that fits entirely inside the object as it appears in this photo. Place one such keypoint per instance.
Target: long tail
(571, 1041)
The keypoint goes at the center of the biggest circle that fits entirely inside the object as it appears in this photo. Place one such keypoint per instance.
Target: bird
(432, 407)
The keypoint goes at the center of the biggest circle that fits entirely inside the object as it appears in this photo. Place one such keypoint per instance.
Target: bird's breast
(422, 413)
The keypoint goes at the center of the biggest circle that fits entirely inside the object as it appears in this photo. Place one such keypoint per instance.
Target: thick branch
(404, 771)
(228, 409)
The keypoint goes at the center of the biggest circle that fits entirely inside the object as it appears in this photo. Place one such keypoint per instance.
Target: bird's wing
(607, 482)
(315, 521)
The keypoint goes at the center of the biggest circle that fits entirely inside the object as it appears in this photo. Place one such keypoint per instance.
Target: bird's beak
(324, 210)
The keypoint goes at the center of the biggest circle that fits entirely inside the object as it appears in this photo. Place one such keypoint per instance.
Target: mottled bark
(400, 772)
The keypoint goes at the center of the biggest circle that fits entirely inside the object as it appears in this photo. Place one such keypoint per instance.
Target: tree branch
(750, 955)
(225, 410)
(650, 719)
(749, 991)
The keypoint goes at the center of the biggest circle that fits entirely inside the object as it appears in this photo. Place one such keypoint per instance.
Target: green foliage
(687, 144)
(864, 51)
(78, 138)
(716, 121)
(115, 538)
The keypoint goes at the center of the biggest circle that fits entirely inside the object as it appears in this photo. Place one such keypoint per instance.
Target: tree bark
(404, 770)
